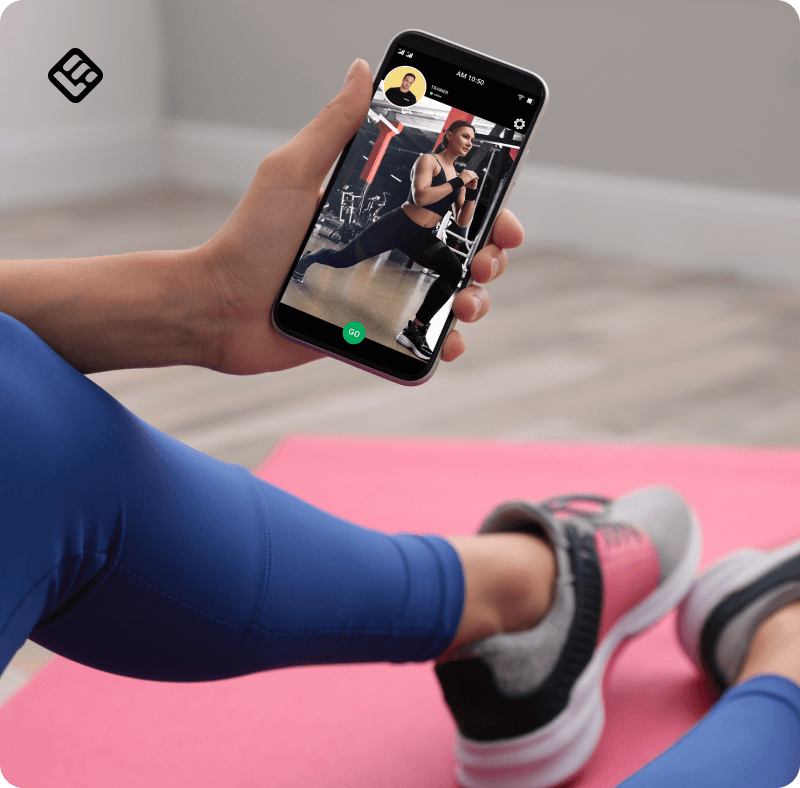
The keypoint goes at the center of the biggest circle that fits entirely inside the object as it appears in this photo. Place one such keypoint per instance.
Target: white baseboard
(690, 226)
(682, 225)
(752, 234)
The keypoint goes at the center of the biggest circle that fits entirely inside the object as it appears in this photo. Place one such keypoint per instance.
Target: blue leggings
(127, 551)
(130, 552)
(750, 739)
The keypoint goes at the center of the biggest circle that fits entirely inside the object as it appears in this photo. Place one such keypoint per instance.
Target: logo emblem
(75, 75)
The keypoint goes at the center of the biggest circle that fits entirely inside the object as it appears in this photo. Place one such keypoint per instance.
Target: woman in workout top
(435, 190)
(428, 201)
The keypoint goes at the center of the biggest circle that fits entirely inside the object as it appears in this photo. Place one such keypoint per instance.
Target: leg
(509, 585)
(751, 736)
(384, 234)
(130, 552)
(438, 257)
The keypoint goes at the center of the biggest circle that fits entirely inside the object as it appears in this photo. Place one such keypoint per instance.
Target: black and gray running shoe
(413, 337)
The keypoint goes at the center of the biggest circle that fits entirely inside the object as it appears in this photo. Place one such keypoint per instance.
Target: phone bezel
(460, 56)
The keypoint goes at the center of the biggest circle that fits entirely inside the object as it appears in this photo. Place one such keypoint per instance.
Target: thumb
(317, 146)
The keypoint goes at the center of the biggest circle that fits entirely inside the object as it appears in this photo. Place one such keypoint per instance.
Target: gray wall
(122, 37)
(705, 91)
(52, 150)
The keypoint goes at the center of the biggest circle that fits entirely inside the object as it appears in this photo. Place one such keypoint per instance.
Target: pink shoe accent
(630, 568)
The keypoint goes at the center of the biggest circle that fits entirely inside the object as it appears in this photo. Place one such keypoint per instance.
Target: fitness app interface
(385, 258)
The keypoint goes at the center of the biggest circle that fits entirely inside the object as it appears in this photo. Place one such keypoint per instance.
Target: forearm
(466, 213)
(429, 194)
(140, 309)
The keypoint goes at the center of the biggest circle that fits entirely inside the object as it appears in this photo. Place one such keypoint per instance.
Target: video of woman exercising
(395, 237)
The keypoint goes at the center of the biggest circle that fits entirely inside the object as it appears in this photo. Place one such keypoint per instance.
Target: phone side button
(513, 181)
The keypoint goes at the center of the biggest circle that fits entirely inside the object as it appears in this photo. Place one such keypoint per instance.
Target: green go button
(353, 332)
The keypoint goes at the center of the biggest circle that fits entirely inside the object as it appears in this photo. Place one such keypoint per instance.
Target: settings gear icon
(519, 124)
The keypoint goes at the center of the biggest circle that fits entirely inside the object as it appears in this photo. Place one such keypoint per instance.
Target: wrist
(471, 194)
(457, 183)
(206, 312)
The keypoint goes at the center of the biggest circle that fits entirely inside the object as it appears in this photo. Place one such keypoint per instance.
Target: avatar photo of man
(377, 255)
(410, 90)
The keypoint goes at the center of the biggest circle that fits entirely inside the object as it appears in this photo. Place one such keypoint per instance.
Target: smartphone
(411, 200)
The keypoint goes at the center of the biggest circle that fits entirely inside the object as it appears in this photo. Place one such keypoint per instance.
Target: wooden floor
(574, 348)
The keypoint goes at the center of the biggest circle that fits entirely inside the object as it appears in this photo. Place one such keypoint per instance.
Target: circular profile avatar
(404, 86)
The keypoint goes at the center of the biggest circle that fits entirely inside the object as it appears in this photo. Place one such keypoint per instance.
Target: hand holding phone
(237, 275)
(398, 236)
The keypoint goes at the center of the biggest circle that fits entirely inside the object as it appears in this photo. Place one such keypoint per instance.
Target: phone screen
(377, 274)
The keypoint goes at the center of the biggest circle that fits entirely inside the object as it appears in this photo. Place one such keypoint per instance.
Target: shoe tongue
(526, 517)
(517, 516)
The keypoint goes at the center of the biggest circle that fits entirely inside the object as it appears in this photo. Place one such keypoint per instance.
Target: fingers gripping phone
(412, 198)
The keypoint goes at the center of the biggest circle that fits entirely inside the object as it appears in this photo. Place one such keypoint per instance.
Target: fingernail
(495, 266)
(351, 71)
(512, 214)
(478, 304)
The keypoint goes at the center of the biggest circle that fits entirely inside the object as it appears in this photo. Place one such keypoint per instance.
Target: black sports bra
(442, 206)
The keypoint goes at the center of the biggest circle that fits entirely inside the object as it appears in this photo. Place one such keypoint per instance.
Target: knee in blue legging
(128, 551)
(51, 470)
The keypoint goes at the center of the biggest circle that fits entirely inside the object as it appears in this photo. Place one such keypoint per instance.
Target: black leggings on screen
(396, 231)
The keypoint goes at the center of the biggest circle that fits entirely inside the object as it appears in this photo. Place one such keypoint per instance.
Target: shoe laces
(414, 332)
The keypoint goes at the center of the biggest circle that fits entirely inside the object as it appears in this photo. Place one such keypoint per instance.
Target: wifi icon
(520, 96)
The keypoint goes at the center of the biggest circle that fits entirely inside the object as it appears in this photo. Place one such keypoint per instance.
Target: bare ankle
(533, 595)
(510, 586)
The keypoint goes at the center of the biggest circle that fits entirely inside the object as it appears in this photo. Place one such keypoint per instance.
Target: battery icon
(530, 101)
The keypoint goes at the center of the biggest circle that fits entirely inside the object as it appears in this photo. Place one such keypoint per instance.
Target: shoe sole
(403, 340)
(728, 576)
(558, 751)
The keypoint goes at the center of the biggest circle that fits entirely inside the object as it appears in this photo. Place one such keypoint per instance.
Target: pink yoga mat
(386, 726)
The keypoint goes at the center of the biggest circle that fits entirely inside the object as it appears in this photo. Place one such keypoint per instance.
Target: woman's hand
(241, 269)
(470, 179)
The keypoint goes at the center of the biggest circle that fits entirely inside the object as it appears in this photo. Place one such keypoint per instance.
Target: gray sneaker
(529, 705)
(717, 620)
